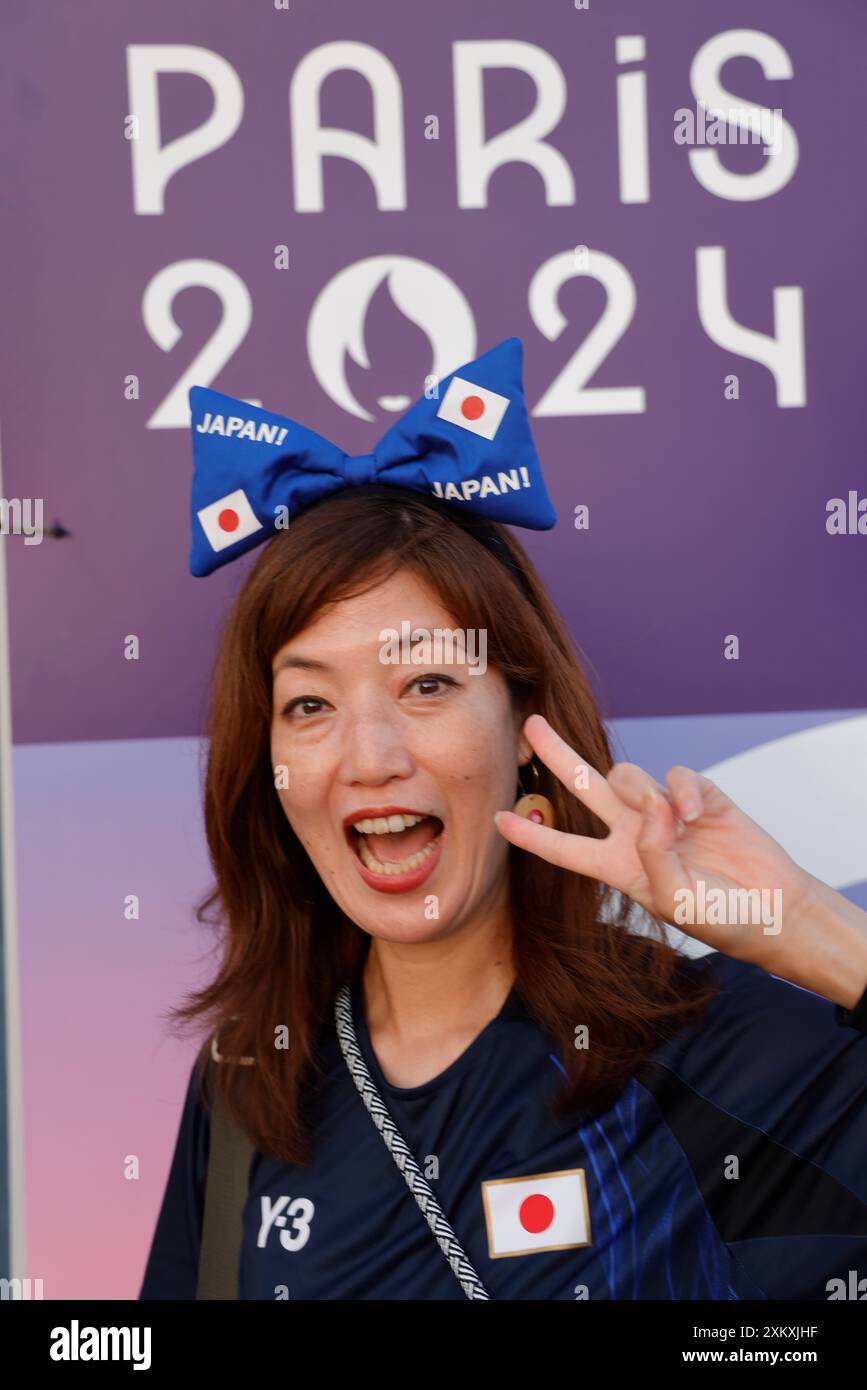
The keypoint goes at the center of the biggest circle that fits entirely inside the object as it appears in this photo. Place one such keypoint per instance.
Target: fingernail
(650, 806)
(691, 811)
(496, 815)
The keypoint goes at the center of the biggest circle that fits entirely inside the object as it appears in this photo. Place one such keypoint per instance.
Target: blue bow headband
(471, 445)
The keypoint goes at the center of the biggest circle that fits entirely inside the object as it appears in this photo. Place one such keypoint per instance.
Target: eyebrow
(301, 663)
(309, 663)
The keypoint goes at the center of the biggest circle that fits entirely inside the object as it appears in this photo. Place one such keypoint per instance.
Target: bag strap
(229, 1176)
(458, 1260)
(225, 1194)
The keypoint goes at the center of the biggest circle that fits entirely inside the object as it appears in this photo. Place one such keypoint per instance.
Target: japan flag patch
(229, 519)
(546, 1212)
(473, 407)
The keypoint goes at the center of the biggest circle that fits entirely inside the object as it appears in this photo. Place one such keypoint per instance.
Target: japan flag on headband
(229, 519)
(546, 1212)
(473, 407)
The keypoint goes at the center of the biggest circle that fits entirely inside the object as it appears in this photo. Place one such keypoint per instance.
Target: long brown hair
(285, 946)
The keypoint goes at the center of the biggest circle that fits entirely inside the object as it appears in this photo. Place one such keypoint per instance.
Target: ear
(523, 747)
(525, 752)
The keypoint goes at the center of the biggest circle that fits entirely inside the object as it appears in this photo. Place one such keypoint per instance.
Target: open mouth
(394, 844)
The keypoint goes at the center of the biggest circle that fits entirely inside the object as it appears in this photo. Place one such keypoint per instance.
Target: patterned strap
(396, 1145)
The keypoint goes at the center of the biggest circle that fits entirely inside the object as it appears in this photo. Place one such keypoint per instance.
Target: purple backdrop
(707, 515)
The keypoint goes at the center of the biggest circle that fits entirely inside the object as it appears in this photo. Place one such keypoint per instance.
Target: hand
(681, 851)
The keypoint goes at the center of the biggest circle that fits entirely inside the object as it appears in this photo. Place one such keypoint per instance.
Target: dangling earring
(532, 805)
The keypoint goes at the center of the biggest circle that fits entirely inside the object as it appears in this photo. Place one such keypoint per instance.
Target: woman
(571, 1107)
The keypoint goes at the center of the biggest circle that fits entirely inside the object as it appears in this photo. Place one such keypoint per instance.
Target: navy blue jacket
(733, 1165)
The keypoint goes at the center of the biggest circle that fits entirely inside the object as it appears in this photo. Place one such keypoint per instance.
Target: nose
(375, 748)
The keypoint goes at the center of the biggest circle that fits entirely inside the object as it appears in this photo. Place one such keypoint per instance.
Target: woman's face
(393, 770)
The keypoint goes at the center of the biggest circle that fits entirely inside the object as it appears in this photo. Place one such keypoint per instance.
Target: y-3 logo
(299, 1211)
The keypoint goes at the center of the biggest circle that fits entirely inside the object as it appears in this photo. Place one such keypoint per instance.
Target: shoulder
(172, 1264)
(762, 1012)
(193, 1144)
(767, 1099)
(771, 1057)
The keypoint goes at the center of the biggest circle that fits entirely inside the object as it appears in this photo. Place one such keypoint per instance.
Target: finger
(656, 850)
(713, 796)
(632, 784)
(572, 770)
(580, 853)
(685, 787)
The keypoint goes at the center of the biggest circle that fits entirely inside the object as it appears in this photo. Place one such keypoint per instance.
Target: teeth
(385, 825)
(390, 825)
(402, 866)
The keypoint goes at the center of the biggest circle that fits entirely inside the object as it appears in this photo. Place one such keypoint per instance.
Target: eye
(439, 682)
(300, 707)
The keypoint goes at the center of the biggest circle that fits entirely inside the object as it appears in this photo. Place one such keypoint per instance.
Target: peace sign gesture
(690, 856)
